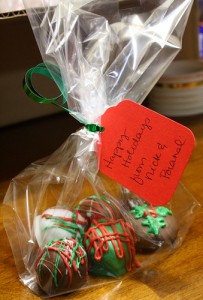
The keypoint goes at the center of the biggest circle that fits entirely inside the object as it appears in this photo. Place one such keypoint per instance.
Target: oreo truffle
(61, 267)
(110, 246)
(155, 225)
(57, 223)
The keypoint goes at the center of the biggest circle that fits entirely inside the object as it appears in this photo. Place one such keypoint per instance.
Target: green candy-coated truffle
(110, 248)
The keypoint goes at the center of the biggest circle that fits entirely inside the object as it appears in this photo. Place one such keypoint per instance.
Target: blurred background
(26, 135)
(179, 91)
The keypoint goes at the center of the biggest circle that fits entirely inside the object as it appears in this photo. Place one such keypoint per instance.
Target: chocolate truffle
(110, 246)
(57, 223)
(97, 207)
(155, 225)
(61, 267)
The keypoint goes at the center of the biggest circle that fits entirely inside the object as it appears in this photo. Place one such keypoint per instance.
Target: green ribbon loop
(52, 72)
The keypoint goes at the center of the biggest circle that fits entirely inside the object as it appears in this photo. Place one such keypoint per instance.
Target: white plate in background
(184, 100)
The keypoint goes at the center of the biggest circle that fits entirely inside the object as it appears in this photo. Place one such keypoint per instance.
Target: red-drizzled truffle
(97, 207)
(59, 222)
(61, 267)
(110, 246)
(156, 226)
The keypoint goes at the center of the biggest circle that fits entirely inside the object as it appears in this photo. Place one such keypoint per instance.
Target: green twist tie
(94, 127)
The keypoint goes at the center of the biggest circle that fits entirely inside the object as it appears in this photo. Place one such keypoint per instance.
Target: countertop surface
(180, 276)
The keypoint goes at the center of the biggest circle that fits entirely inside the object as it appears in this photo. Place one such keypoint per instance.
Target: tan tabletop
(178, 277)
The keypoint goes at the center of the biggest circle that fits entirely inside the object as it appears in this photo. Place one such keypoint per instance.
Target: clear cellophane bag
(106, 51)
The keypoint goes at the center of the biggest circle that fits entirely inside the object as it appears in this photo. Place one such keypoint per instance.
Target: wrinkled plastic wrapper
(106, 51)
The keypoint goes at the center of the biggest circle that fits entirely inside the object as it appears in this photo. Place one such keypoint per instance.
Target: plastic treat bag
(69, 225)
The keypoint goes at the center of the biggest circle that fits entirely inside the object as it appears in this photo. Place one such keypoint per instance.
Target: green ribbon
(52, 72)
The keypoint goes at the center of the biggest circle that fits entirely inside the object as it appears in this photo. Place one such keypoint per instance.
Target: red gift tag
(144, 151)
